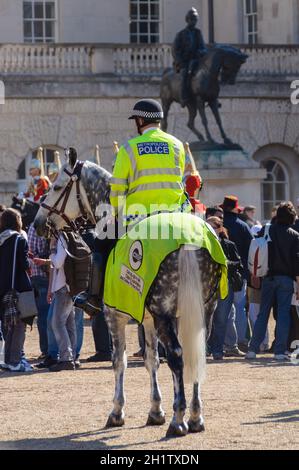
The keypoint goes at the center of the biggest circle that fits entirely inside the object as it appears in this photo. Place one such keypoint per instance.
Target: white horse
(179, 306)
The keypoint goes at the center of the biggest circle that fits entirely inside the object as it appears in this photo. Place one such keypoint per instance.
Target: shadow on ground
(291, 416)
(101, 439)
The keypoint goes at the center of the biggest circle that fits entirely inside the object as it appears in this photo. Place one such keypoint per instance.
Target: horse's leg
(202, 112)
(117, 324)
(196, 421)
(156, 415)
(192, 115)
(167, 333)
(214, 105)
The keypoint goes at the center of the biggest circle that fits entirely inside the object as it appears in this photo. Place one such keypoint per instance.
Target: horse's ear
(72, 156)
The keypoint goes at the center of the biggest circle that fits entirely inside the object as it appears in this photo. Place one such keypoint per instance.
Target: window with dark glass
(145, 21)
(39, 19)
(274, 188)
(251, 24)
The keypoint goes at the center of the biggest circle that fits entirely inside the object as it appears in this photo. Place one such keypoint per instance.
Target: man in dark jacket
(239, 233)
(278, 285)
(188, 48)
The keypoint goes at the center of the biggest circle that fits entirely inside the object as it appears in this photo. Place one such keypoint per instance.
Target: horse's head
(76, 192)
(232, 61)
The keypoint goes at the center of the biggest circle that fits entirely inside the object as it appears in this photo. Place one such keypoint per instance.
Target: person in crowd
(52, 357)
(235, 281)
(254, 300)
(193, 186)
(2, 209)
(248, 215)
(39, 185)
(294, 330)
(278, 285)
(214, 211)
(101, 339)
(239, 233)
(63, 319)
(100, 331)
(14, 327)
(274, 214)
(40, 264)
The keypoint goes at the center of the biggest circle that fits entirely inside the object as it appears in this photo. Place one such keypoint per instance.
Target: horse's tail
(192, 334)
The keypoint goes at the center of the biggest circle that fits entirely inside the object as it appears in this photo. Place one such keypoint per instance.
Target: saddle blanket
(135, 261)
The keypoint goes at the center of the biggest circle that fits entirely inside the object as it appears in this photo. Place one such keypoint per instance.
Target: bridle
(75, 178)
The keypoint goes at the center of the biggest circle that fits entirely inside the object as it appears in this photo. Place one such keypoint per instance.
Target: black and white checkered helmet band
(148, 114)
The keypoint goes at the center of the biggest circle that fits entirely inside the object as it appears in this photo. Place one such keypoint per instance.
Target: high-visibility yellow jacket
(148, 176)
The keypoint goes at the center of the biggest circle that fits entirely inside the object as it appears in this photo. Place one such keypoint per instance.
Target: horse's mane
(102, 171)
(96, 181)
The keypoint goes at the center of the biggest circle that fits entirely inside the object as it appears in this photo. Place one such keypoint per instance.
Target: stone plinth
(228, 170)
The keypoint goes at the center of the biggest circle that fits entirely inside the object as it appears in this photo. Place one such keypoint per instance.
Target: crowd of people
(240, 324)
(39, 267)
(168, 173)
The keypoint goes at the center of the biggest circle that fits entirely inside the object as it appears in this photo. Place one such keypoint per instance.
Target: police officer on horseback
(188, 49)
(148, 174)
(149, 168)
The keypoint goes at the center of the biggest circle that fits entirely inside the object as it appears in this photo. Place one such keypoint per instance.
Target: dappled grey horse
(179, 305)
(221, 64)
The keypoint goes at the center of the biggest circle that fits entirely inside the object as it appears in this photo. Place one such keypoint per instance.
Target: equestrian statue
(198, 72)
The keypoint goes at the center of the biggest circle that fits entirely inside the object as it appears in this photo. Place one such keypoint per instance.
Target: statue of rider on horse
(188, 49)
(195, 80)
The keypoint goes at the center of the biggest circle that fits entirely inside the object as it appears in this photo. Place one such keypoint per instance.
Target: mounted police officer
(149, 168)
(188, 49)
(147, 178)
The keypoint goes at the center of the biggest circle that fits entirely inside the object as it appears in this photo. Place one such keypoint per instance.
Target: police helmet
(148, 109)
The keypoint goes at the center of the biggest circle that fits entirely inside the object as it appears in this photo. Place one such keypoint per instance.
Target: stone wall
(84, 122)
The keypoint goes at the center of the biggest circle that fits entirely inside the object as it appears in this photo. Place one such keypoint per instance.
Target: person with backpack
(278, 284)
(63, 319)
(239, 233)
(235, 281)
(13, 259)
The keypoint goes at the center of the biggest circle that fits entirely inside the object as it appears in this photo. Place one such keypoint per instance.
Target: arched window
(275, 188)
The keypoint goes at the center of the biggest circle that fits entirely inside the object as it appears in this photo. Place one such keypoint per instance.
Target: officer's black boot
(91, 300)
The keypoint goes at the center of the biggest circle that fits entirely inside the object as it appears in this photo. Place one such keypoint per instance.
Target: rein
(214, 291)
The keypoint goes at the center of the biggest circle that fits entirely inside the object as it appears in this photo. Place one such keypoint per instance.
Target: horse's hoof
(155, 419)
(115, 421)
(177, 430)
(196, 426)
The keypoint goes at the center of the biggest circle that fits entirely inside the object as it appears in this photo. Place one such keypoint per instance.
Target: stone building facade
(80, 94)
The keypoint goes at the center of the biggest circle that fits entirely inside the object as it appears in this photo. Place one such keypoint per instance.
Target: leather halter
(74, 178)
